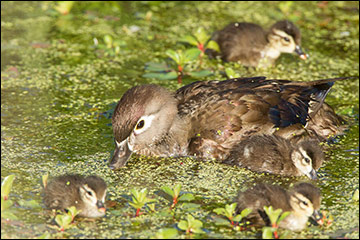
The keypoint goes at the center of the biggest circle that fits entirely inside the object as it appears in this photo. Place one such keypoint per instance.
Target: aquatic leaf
(355, 196)
(72, 211)
(108, 41)
(157, 67)
(189, 39)
(202, 73)
(8, 215)
(64, 7)
(29, 204)
(5, 204)
(213, 45)
(177, 189)
(231, 73)
(237, 218)
(6, 186)
(245, 212)
(174, 56)
(183, 225)
(201, 35)
(191, 54)
(230, 209)
(64, 221)
(272, 214)
(219, 211)
(219, 221)
(162, 76)
(166, 233)
(168, 190)
(186, 197)
(283, 216)
(267, 233)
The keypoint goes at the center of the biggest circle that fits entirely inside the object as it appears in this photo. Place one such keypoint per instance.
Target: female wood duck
(86, 194)
(253, 46)
(207, 118)
(277, 155)
(302, 201)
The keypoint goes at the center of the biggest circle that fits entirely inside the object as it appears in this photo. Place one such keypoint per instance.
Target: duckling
(250, 44)
(303, 201)
(207, 119)
(277, 155)
(87, 194)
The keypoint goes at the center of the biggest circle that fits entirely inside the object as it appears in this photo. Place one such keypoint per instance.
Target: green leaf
(196, 223)
(219, 211)
(108, 41)
(231, 73)
(230, 208)
(191, 54)
(64, 7)
(6, 186)
(166, 233)
(355, 196)
(190, 206)
(157, 67)
(213, 45)
(197, 230)
(168, 190)
(183, 225)
(63, 220)
(8, 215)
(174, 56)
(189, 39)
(29, 204)
(267, 233)
(283, 216)
(245, 212)
(186, 197)
(201, 35)
(219, 221)
(202, 73)
(237, 218)
(73, 211)
(272, 214)
(5, 204)
(177, 189)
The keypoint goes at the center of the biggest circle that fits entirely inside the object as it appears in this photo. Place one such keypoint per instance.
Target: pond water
(58, 90)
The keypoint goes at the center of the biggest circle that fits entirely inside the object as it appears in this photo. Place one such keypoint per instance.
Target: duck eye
(307, 160)
(286, 39)
(140, 125)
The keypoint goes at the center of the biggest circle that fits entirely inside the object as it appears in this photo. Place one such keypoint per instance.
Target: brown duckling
(277, 155)
(87, 194)
(250, 44)
(303, 201)
(207, 118)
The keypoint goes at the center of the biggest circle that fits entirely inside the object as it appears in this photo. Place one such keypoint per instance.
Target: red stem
(137, 212)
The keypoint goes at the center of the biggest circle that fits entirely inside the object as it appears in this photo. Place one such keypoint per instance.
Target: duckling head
(142, 117)
(303, 163)
(92, 193)
(285, 37)
(305, 200)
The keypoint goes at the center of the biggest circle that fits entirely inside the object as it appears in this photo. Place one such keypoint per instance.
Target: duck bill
(317, 217)
(300, 52)
(121, 154)
(100, 205)
(312, 175)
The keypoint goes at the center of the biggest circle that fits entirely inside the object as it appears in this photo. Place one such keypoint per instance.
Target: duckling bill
(277, 155)
(302, 201)
(87, 194)
(250, 44)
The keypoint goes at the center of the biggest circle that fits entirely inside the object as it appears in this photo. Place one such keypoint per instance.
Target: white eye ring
(143, 124)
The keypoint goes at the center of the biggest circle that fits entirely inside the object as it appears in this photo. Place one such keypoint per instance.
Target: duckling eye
(307, 160)
(89, 193)
(305, 203)
(140, 125)
(286, 39)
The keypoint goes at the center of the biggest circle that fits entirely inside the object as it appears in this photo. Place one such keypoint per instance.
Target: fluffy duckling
(85, 193)
(250, 44)
(303, 201)
(277, 155)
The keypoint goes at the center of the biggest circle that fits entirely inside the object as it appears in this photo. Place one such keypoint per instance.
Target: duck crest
(207, 118)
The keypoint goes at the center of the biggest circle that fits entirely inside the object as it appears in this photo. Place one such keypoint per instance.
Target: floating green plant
(166, 233)
(229, 212)
(174, 193)
(275, 216)
(231, 73)
(191, 225)
(6, 203)
(139, 199)
(178, 68)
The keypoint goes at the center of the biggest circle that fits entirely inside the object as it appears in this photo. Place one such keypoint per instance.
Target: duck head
(142, 117)
(285, 37)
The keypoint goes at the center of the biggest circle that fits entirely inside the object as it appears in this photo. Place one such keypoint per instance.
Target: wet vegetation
(64, 66)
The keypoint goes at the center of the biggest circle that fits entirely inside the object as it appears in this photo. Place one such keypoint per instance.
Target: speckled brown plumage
(207, 118)
(249, 43)
(277, 155)
(303, 201)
